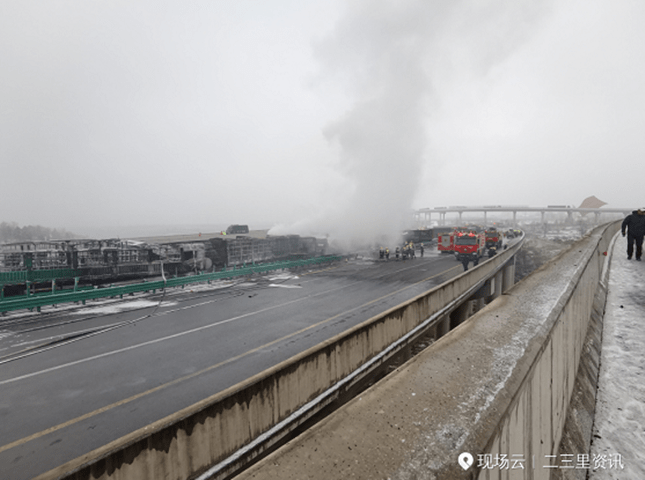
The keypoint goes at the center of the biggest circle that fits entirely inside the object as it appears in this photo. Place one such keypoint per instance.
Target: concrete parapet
(189, 442)
(498, 387)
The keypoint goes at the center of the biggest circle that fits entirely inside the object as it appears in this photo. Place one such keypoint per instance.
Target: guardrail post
(76, 284)
(28, 285)
(1, 291)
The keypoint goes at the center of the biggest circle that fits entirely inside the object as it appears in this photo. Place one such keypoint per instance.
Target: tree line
(12, 232)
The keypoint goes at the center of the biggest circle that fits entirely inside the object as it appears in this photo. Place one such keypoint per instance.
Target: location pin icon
(465, 460)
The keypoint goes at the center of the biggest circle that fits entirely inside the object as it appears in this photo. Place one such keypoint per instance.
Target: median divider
(37, 301)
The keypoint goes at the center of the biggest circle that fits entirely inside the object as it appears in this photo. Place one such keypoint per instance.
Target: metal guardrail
(37, 275)
(38, 301)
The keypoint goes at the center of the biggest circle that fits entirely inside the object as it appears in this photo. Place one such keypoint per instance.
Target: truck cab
(470, 246)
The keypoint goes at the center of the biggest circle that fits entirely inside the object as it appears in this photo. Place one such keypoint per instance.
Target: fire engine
(446, 241)
(470, 246)
(493, 241)
(493, 238)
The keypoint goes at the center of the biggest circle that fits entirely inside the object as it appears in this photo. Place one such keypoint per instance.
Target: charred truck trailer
(240, 250)
(100, 261)
(421, 235)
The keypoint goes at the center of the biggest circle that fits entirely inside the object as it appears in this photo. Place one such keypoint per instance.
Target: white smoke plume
(389, 55)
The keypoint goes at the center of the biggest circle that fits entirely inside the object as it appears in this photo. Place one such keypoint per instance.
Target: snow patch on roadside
(120, 307)
(204, 287)
(283, 276)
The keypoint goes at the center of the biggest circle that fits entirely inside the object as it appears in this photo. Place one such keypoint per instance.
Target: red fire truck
(470, 246)
(446, 242)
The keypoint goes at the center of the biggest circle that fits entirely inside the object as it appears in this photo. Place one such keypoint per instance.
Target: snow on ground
(283, 276)
(206, 287)
(538, 250)
(114, 305)
(619, 426)
(121, 307)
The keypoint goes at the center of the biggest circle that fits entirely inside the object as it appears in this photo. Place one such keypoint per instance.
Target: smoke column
(389, 55)
(377, 51)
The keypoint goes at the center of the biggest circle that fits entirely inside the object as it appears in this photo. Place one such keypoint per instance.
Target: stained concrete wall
(194, 439)
(534, 421)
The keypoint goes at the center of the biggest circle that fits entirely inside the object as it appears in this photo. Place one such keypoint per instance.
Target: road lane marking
(27, 352)
(88, 415)
(78, 335)
(144, 344)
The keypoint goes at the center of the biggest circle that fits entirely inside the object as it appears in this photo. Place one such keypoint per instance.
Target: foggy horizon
(314, 117)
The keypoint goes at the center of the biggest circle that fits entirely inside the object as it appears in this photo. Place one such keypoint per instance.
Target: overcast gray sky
(301, 112)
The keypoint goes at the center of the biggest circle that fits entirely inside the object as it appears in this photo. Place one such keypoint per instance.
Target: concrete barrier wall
(533, 422)
(498, 386)
(505, 400)
(194, 439)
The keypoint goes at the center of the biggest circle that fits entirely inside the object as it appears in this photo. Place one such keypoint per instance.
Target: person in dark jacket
(635, 226)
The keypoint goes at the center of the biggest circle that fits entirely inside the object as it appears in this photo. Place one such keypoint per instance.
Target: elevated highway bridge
(425, 215)
(199, 384)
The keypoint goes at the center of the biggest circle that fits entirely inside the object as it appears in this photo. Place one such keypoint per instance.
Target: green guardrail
(37, 301)
(23, 276)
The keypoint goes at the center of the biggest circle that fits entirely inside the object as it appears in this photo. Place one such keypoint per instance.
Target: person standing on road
(464, 262)
(635, 226)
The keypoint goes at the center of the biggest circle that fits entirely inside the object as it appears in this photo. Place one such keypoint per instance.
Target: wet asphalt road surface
(75, 379)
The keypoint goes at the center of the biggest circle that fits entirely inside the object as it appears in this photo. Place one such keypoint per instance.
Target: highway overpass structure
(504, 376)
(80, 388)
(424, 216)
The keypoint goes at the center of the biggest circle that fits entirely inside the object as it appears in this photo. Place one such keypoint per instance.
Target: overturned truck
(243, 250)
